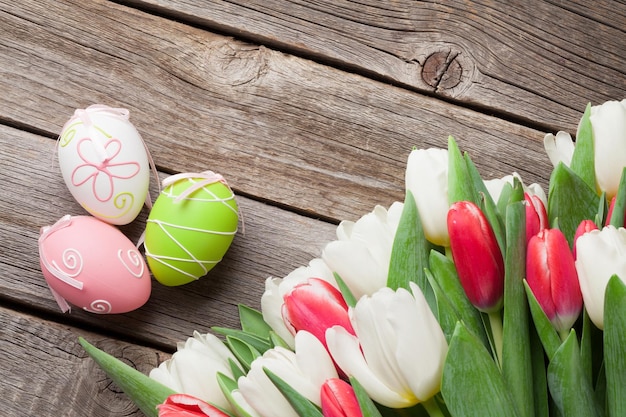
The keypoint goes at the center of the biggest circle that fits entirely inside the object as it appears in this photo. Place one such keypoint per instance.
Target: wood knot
(442, 70)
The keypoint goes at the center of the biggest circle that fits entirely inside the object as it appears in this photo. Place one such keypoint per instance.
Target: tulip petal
(600, 254)
(559, 148)
(608, 122)
(346, 351)
(378, 340)
(313, 360)
(427, 178)
(354, 264)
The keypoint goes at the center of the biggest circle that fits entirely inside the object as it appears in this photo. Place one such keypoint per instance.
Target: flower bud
(427, 179)
(339, 399)
(315, 306)
(477, 256)
(536, 215)
(584, 227)
(608, 122)
(551, 275)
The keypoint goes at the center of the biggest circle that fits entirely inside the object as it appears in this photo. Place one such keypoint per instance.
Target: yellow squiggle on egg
(70, 133)
(119, 201)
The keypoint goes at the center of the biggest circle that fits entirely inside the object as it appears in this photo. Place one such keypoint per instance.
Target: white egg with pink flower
(104, 163)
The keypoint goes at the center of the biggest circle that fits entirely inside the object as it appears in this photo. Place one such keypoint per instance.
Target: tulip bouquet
(470, 298)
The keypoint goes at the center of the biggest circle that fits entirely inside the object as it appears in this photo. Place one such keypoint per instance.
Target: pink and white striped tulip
(183, 405)
(551, 275)
(536, 215)
(339, 399)
(315, 306)
(477, 256)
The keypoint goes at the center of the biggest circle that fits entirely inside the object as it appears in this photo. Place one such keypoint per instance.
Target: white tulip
(608, 122)
(495, 186)
(399, 349)
(272, 299)
(305, 371)
(427, 179)
(559, 148)
(192, 369)
(600, 254)
(362, 253)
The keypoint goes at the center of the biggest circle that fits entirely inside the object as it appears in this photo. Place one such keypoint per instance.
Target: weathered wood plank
(540, 61)
(34, 195)
(45, 371)
(280, 128)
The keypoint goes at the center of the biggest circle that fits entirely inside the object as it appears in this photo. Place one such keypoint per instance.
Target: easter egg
(104, 163)
(91, 264)
(190, 227)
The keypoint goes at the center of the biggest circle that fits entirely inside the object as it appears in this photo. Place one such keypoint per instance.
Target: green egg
(190, 227)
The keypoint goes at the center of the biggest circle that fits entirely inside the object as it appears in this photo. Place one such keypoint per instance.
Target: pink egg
(91, 264)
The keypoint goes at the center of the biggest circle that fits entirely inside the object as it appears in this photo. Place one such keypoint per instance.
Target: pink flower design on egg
(99, 166)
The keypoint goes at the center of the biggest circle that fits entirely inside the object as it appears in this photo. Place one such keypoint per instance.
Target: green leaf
(570, 201)
(615, 346)
(235, 369)
(516, 354)
(505, 197)
(583, 158)
(276, 340)
(617, 217)
(603, 209)
(446, 314)
(472, 384)
(591, 348)
(252, 322)
(601, 390)
(145, 392)
(410, 251)
(460, 186)
(447, 280)
(368, 408)
(546, 331)
(300, 403)
(571, 390)
(486, 203)
(540, 381)
(348, 297)
(244, 352)
(228, 385)
(260, 344)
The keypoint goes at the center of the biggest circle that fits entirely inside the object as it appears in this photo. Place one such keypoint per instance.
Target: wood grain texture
(46, 372)
(540, 61)
(273, 243)
(279, 128)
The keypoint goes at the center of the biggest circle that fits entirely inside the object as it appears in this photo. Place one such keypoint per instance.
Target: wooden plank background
(309, 111)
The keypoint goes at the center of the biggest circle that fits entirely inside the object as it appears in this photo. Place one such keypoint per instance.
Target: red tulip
(477, 256)
(536, 216)
(315, 306)
(552, 277)
(339, 399)
(182, 405)
(584, 227)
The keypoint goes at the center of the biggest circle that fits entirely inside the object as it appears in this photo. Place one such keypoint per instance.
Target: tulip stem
(495, 321)
(432, 408)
